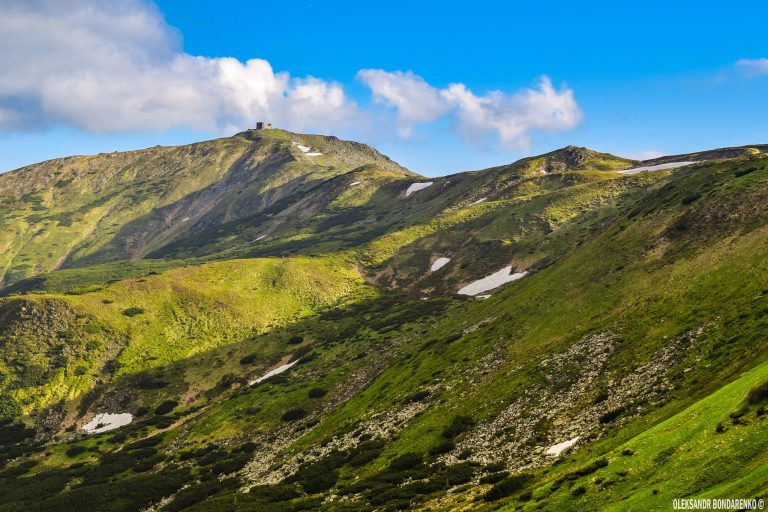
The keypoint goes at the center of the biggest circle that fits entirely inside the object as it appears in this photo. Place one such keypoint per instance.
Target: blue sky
(632, 78)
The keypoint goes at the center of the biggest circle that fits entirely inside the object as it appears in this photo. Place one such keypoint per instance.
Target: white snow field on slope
(492, 281)
(105, 422)
(670, 165)
(270, 373)
(558, 448)
(439, 263)
(306, 149)
(415, 187)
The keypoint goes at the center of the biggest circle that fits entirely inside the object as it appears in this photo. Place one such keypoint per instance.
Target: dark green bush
(508, 486)
(274, 493)
(294, 414)
(494, 477)
(249, 359)
(611, 415)
(691, 198)
(578, 491)
(295, 340)
(9, 407)
(588, 469)
(133, 311)
(758, 394)
(150, 382)
(442, 447)
(458, 425)
(406, 461)
(166, 407)
(416, 397)
(231, 465)
(317, 393)
(76, 450)
(457, 474)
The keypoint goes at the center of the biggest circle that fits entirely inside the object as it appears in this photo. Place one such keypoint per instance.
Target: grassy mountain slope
(638, 336)
(58, 346)
(78, 211)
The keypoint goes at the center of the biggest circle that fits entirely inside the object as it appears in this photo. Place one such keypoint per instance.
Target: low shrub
(758, 394)
(317, 393)
(458, 425)
(494, 477)
(418, 396)
(406, 461)
(611, 415)
(166, 407)
(294, 414)
(248, 359)
(75, 451)
(508, 486)
(295, 340)
(442, 447)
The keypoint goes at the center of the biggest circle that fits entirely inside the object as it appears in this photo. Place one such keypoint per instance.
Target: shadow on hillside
(222, 368)
(132, 238)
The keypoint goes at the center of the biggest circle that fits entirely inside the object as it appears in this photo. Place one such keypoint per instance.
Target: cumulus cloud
(513, 118)
(414, 99)
(753, 67)
(106, 66)
(116, 65)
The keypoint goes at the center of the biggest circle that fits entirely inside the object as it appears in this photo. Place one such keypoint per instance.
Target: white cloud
(116, 65)
(106, 66)
(753, 67)
(415, 100)
(513, 118)
(648, 154)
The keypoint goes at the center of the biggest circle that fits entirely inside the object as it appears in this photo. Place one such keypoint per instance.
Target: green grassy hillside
(628, 368)
(59, 346)
(79, 211)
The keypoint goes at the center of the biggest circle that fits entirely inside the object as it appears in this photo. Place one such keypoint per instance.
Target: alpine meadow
(277, 321)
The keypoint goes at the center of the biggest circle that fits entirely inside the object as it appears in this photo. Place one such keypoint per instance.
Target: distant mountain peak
(574, 158)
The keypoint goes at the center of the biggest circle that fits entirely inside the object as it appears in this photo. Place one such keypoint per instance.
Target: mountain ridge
(315, 353)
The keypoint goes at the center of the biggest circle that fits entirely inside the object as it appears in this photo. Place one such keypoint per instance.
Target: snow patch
(439, 263)
(354, 183)
(185, 219)
(271, 373)
(415, 187)
(670, 165)
(492, 281)
(559, 448)
(478, 201)
(482, 297)
(306, 149)
(105, 422)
